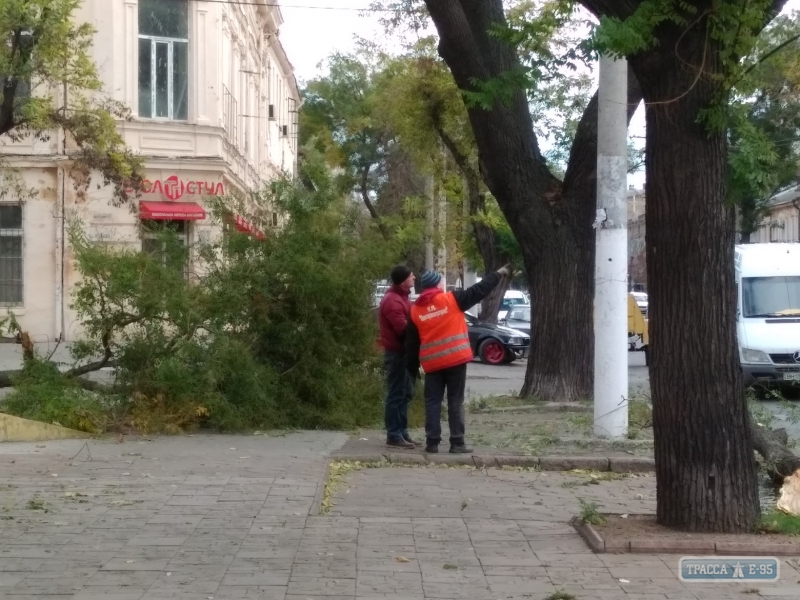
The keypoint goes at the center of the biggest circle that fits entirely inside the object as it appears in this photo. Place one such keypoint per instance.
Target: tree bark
(551, 220)
(705, 467)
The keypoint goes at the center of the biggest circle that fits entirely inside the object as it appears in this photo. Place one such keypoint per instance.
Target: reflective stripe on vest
(443, 333)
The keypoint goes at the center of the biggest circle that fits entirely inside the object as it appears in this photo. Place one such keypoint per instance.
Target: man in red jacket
(394, 312)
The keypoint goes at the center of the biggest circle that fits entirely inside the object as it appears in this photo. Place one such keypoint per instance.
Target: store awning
(243, 226)
(171, 211)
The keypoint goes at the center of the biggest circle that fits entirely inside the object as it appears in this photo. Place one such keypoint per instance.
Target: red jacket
(393, 315)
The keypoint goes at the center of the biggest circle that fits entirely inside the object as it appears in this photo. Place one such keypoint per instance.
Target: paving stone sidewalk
(508, 535)
(232, 518)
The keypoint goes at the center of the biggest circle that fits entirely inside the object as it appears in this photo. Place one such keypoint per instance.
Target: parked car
(381, 287)
(519, 318)
(510, 300)
(495, 344)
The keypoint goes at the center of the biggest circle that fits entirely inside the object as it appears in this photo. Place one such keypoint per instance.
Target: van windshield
(509, 303)
(771, 296)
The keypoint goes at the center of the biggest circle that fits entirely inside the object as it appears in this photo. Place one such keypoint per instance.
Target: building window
(776, 231)
(156, 243)
(11, 255)
(164, 59)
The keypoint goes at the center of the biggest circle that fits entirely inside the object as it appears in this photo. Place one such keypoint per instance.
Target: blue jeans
(399, 391)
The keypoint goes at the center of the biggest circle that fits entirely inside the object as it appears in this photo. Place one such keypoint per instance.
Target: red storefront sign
(174, 187)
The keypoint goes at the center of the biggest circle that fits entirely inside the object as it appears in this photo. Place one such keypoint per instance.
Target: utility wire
(304, 6)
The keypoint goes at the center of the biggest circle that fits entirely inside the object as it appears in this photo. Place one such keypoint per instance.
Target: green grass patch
(779, 522)
(492, 402)
(561, 595)
(590, 514)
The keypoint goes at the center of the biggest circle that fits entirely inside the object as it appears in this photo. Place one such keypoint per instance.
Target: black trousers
(454, 381)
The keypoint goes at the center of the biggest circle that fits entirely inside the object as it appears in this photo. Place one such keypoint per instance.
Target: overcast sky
(314, 29)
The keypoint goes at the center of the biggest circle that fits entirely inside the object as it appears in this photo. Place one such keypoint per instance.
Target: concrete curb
(536, 408)
(545, 463)
(316, 507)
(587, 532)
(688, 547)
(16, 429)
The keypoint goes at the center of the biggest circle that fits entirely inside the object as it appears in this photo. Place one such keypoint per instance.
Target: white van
(510, 300)
(768, 317)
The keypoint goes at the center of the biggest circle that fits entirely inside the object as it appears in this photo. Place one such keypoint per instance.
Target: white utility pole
(430, 217)
(442, 258)
(611, 263)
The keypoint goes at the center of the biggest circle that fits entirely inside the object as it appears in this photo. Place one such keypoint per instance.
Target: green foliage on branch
(765, 115)
(49, 81)
(757, 98)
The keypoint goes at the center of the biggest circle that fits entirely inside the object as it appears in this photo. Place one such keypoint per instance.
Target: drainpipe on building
(60, 250)
(796, 204)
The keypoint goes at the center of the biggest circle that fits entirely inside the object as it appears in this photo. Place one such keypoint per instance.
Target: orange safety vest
(443, 334)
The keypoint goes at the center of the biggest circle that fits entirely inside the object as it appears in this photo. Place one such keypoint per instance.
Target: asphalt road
(487, 380)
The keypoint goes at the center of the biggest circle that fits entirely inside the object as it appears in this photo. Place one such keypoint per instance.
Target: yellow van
(638, 336)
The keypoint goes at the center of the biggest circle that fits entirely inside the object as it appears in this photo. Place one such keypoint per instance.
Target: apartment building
(215, 104)
(637, 255)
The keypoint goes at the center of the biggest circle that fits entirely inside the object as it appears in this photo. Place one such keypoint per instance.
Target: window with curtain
(164, 59)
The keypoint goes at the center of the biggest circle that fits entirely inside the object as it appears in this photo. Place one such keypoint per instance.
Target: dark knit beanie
(399, 274)
(430, 279)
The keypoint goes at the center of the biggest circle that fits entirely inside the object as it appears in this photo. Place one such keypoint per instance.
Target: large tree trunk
(705, 468)
(550, 219)
(562, 293)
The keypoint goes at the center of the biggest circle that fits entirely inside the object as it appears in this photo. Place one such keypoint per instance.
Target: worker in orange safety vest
(438, 341)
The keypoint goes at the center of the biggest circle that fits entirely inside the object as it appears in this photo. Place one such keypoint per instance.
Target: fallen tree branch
(95, 386)
(772, 445)
(90, 367)
(7, 380)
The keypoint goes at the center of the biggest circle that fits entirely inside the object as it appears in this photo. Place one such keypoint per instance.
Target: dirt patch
(643, 531)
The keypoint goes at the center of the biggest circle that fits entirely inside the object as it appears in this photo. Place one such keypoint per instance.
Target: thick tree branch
(772, 445)
(364, 190)
(10, 84)
(474, 54)
(484, 235)
(91, 367)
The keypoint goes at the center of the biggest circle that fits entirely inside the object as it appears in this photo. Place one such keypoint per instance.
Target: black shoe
(400, 444)
(460, 449)
(408, 438)
(432, 449)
